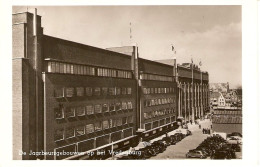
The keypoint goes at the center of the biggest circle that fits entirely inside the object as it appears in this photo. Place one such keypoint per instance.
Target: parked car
(188, 132)
(233, 140)
(236, 134)
(168, 140)
(185, 127)
(223, 154)
(196, 154)
(160, 145)
(174, 140)
(207, 150)
(234, 147)
(184, 132)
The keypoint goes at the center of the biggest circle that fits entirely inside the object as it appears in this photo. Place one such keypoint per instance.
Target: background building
(67, 98)
(227, 121)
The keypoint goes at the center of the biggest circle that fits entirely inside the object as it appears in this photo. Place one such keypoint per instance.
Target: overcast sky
(211, 34)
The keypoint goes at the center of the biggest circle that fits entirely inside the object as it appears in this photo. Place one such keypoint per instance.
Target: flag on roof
(172, 48)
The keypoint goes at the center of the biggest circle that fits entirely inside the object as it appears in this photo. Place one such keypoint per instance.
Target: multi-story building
(70, 97)
(193, 92)
(227, 121)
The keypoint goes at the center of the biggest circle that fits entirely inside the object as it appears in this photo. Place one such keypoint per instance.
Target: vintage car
(196, 154)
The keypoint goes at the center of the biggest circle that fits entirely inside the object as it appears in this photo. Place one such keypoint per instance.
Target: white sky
(210, 33)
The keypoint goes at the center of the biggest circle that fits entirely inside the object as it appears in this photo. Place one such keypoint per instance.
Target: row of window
(68, 68)
(159, 101)
(158, 123)
(70, 112)
(70, 132)
(157, 90)
(153, 114)
(156, 77)
(89, 91)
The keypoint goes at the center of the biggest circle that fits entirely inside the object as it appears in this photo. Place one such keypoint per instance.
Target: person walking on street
(199, 126)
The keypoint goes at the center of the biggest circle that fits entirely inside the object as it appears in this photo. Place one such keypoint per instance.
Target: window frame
(84, 131)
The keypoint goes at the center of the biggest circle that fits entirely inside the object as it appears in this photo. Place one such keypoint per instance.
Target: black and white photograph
(151, 83)
(127, 82)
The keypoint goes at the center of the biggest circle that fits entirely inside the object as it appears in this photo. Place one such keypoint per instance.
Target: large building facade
(70, 97)
(193, 92)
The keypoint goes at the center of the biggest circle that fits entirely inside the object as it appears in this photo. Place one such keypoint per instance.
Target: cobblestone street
(179, 150)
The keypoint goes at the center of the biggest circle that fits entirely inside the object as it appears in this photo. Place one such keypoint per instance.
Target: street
(179, 150)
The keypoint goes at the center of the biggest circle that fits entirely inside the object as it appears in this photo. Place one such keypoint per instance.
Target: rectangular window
(105, 108)
(70, 112)
(98, 108)
(98, 126)
(75, 69)
(123, 91)
(80, 91)
(90, 109)
(112, 107)
(52, 67)
(61, 67)
(84, 70)
(124, 120)
(104, 91)
(89, 128)
(168, 120)
(148, 90)
(72, 69)
(49, 69)
(88, 91)
(159, 101)
(70, 132)
(105, 124)
(156, 102)
(124, 106)
(152, 102)
(118, 91)
(80, 111)
(69, 92)
(97, 91)
(80, 130)
(59, 134)
(110, 123)
(119, 122)
(58, 92)
(129, 105)
(81, 70)
(162, 122)
(152, 90)
(114, 122)
(57, 67)
(68, 68)
(129, 91)
(145, 91)
(118, 106)
(130, 119)
(112, 91)
(59, 112)
(155, 124)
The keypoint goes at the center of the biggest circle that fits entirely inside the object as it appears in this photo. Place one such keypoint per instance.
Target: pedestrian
(211, 126)
(203, 131)
(199, 126)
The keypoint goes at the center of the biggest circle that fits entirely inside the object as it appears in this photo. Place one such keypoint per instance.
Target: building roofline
(87, 46)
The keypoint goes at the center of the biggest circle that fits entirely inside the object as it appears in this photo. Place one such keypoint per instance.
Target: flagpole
(193, 119)
(201, 105)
